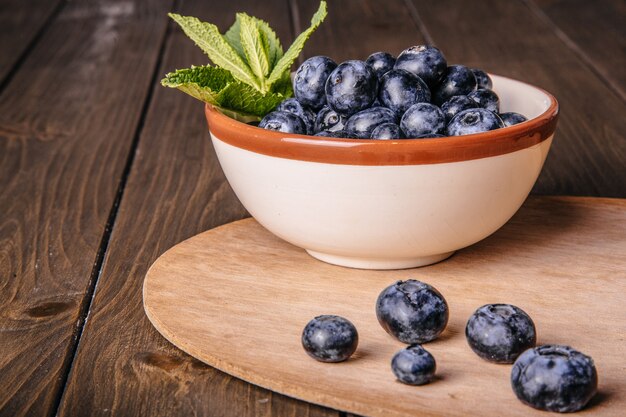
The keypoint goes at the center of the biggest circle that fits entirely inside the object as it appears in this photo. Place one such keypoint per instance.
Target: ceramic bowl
(388, 204)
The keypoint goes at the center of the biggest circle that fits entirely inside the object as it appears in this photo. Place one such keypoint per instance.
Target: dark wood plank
(67, 122)
(596, 30)
(176, 189)
(21, 21)
(589, 152)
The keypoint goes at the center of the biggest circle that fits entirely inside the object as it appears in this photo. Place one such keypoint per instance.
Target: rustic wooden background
(102, 170)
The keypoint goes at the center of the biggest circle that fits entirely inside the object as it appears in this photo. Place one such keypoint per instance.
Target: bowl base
(373, 263)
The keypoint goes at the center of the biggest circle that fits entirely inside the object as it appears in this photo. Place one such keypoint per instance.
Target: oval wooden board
(237, 298)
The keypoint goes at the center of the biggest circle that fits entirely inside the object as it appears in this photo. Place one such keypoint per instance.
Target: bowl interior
(520, 97)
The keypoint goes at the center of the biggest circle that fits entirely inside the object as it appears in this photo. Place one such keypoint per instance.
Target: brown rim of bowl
(384, 152)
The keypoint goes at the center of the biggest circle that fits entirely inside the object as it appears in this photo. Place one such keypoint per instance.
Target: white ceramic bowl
(388, 204)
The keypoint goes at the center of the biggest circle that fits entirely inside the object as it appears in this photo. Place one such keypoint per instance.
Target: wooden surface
(237, 298)
(102, 170)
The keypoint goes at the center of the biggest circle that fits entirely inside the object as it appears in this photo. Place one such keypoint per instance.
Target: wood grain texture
(67, 122)
(176, 189)
(21, 21)
(507, 38)
(594, 29)
(238, 297)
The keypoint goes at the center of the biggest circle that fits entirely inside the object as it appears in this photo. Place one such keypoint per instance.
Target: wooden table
(102, 170)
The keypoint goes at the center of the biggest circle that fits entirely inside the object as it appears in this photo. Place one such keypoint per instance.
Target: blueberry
(412, 311)
(387, 131)
(500, 332)
(482, 79)
(512, 118)
(328, 119)
(364, 122)
(330, 338)
(414, 365)
(335, 134)
(457, 104)
(427, 62)
(310, 79)
(473, 121)
(283, 121)
(554, 378)
(430, 136)
(458, 80)
(381, 62)
(292, 105)
(351, 87)
(486, 99)
(399, 90)
(422, 119)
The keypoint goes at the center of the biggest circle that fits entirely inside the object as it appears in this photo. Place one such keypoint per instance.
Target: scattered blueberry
(399, 90)
(500, 332)
(364, 122)
(330, 338)
(512, 118)
(412, 311)
(458, 80)
(283, 121)
(482, 79)
(351, 87)
(455, 105)
(310, 80)
(292, 105)
(422, 119)
(387, 131)
(486, 99)
(427, 62)
(554, 378)
(414, 365)
(328, 119)
(472, 121)
(381, 62)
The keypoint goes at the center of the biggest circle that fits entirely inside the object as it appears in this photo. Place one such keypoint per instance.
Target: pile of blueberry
(416, 95)
(549, 377)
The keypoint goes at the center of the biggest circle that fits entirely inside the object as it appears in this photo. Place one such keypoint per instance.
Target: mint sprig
(251, 75)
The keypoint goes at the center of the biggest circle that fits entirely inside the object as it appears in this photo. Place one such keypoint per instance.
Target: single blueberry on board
(328, 119)
(458, 80)
(512, 118)
(364, 122)
(330, 338)
(351, 87)
(554, 378)
(472, 121)
(387, 131)
(482, 79)
(486, 99)
(292, 105)
(414, 365)
(283, 121)
(500, 332)
(455, 105)
(381, 62)
(427, 62)
(412, 311)
(399, 90)
(310, 80)
(422, 119)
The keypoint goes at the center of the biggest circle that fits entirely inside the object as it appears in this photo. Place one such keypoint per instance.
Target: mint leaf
(203, 83)
(285, 63)
(247, 100)
(209, 39)
(275, 48)
(232, 37)
(255, 46)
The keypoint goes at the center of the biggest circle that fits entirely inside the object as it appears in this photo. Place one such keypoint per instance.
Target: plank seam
(68, 363)
(419, 23)
(31, 45)
(571, 44)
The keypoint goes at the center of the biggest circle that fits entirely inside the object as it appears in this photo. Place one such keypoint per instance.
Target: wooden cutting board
(237, 298)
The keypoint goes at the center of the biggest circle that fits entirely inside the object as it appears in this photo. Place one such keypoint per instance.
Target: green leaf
(285, 63)
(233, 38)
(255, 46)
(203, 83)
(209, 39)
(275, 48)
(247, 100)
